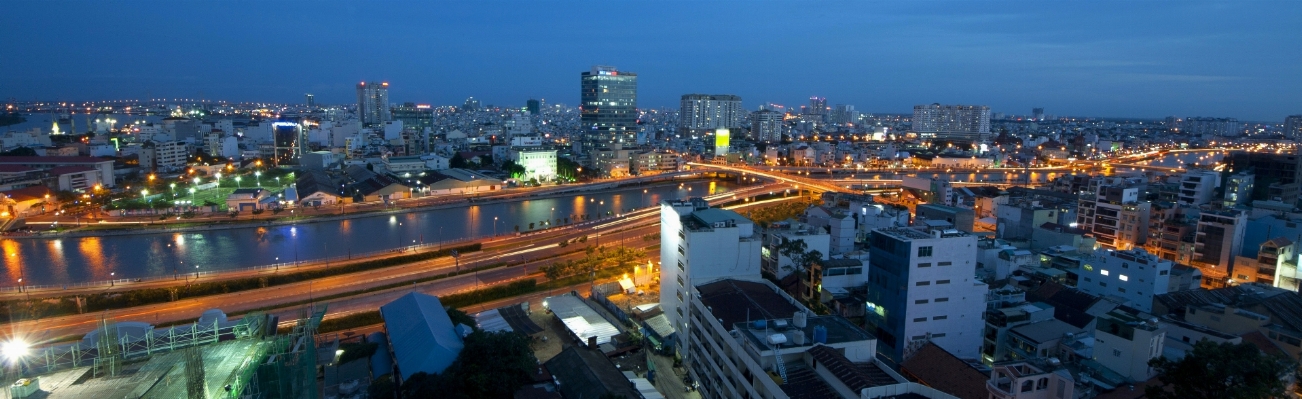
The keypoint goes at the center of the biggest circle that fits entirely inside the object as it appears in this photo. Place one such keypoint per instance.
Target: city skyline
(1144, 60)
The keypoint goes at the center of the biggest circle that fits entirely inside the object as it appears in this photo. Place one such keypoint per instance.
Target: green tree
(457, 161)
(491, 365)
(1220, 371)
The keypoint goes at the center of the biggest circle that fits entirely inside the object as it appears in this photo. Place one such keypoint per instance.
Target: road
(626, 229)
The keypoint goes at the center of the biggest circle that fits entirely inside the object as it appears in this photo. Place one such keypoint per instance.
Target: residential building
(1025, 379)
(649, 162)
(961, 218)
(608, 111)
(1198, 186)
(164, 156)
(1293, 126)
(534, 106)
(922, 287)
(787, 232)
(844, 114)
(1238, 189)
(967, 123)
(1219, 237)
(1000, 321)
(747, 339)
(1135, 276)
(1111, 210)
(705, 112)
(290, 141)
(766, 126)
(373, 103)
(1268, 168)
(1274, 265)
(817, 106)
(1125, 340)
(699, 243)
(1211, 127)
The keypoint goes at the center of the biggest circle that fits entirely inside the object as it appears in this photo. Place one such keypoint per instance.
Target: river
(82, 259)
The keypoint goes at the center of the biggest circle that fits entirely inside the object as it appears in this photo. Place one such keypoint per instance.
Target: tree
(491, 365)
(19, 152)
(1211, 370)
(457, 161)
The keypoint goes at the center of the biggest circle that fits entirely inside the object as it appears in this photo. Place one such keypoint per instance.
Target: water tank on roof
(799, 319)
(761, 323)
(798, 338)
(780, 323)
(820, 335)
(777, 339)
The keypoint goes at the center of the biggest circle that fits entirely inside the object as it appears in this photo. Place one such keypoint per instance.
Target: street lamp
(494, 226)
(258, 175)
(237, 182)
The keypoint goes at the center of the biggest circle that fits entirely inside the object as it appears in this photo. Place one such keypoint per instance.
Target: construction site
(212, 357)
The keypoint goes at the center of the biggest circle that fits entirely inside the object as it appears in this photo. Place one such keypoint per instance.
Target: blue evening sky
(1116, 59)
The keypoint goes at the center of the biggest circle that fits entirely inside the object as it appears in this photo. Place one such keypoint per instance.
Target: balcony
(1001, 389)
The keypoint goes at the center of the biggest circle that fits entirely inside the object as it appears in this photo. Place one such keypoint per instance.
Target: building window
(944, 264)
(1089, 268)
(1116, 352)
(939, 282)
(920, 302)
(1123, 277)
(920, 319)
(1121, 290)
(1103, 272)
(942, 300)
(1087, 279)
(1125, 265)
(924, 252)
(924, 265)
(938, 335)
(1163, 273)
(1103, 284)
(924, 283)
(940, 317)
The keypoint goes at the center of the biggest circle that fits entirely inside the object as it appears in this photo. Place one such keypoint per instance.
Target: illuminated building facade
(373, 103)
(608, 112)
(703, 112)
(967, 123)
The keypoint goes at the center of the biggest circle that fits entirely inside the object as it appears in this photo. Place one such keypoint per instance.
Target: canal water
(81, 259)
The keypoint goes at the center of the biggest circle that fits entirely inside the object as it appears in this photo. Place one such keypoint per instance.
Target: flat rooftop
(736, 301)
(839, 330)
(161, 376)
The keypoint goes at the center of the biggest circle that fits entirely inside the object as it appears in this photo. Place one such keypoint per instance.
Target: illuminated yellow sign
(721, 141)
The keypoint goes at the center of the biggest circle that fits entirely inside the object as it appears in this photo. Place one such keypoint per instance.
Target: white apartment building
(699, 243)
(922, 286)
(704, 112)
(1197, 187)
(1133, 275)
(742, 333)
(781, 265)
(163, 155)
(954, 122)
(1124, 342)
(766, 125)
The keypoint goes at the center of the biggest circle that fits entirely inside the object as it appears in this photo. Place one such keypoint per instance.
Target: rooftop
(737, 301)
(836, 330)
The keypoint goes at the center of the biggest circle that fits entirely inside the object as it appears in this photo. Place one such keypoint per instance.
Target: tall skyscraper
(1293, 126)
(817, 106)
(844, 114)
(766, 125)
(608, 112)
(533, 106)
(969, 123)
(1037, 114)
(311, 100)
(373, 103)
(471, 105)
(703, 112)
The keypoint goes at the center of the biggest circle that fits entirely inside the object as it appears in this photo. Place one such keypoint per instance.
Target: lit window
(1103, 272)
(1124, 278)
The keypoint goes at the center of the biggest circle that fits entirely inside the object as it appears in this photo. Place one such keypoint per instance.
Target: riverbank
(184, 225)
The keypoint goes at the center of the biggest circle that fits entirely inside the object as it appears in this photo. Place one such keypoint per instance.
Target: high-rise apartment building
(705, 112)
(969, 123)
(290, 141)
(699, 243)
(1037, 114)
(608, 111)
(844, 114)
(817, 106)
(1110, 209)
(1220, 127)
(922, 287)
(311, 100)
(373, 103)
(471, 105)
(766, 125)
(1293, 126)
(414, 116)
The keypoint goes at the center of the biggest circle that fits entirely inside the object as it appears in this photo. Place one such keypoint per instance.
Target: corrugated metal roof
(492, 321)
(581, 319)
(421, 334)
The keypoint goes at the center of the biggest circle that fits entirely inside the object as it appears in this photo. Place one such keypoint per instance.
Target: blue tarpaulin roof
(421, 334)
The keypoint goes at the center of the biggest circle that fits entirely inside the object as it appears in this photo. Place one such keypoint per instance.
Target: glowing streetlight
(16, 349)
